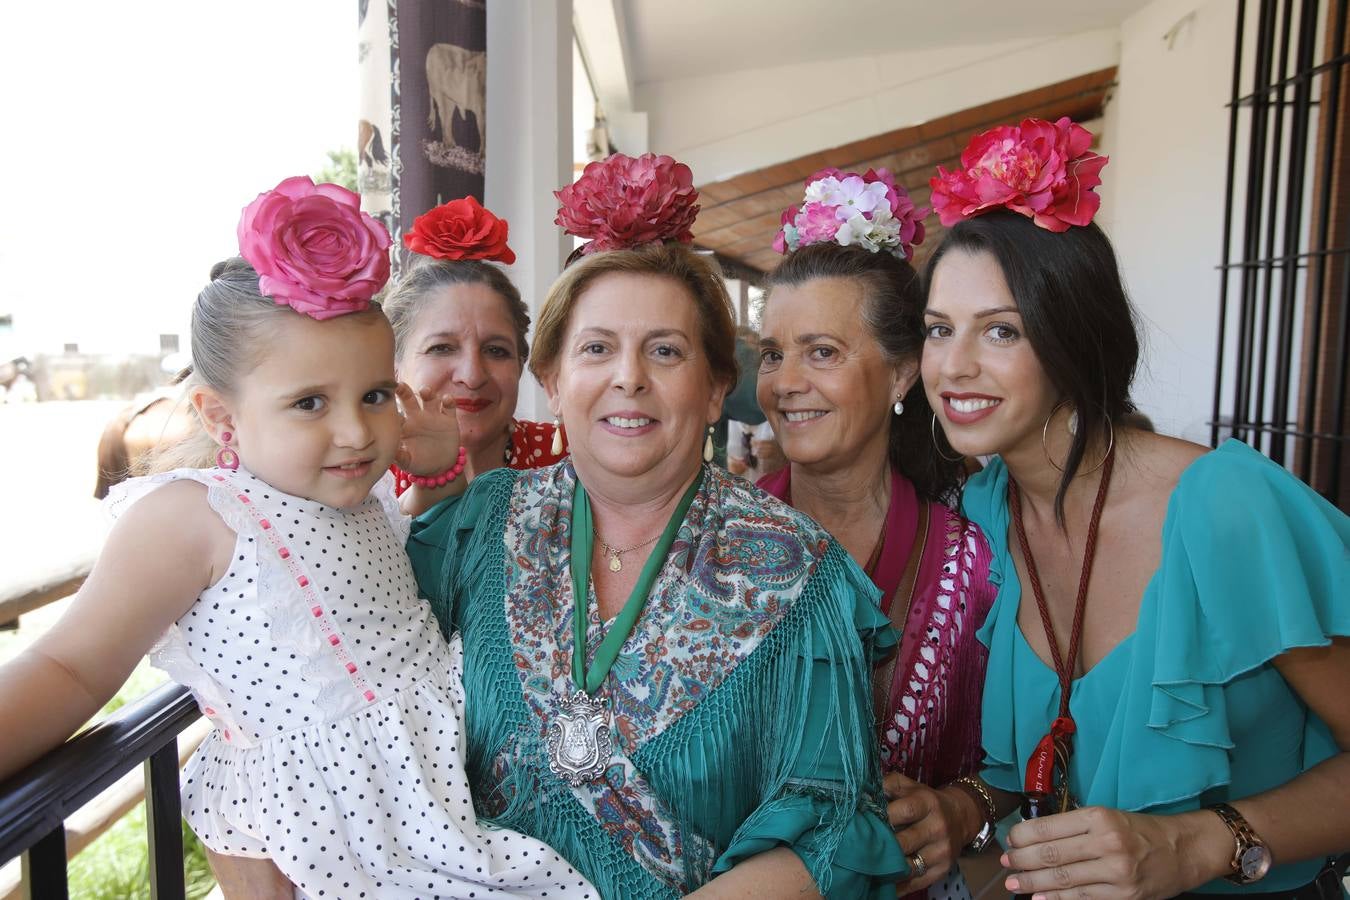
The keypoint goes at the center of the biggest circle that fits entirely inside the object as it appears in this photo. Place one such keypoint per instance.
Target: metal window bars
(1284, 296)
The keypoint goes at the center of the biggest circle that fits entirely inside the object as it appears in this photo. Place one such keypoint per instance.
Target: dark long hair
(1076, 314)
(893, 314)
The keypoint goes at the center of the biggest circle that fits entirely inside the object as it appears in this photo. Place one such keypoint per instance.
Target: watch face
(1255, 863)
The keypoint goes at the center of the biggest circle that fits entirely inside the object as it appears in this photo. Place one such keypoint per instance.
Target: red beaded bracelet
(407, 479)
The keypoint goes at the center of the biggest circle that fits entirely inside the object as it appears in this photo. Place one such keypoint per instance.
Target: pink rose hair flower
(1040, 169)
(622, 202)
(313, 248)
(869, 210)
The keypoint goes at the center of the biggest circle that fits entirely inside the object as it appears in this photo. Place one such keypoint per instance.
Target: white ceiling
(669, 39)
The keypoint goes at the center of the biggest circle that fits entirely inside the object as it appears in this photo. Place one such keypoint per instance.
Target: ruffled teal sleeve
(1189, 709)
(829, 809)
(1254, 564)
(453, 539)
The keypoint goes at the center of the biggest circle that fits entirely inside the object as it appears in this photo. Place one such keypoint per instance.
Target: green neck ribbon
(583, 544)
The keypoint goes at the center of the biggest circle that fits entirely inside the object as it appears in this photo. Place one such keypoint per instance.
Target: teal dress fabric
(1188, 710)
(741, 701)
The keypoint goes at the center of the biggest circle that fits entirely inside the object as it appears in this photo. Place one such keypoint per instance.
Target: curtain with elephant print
(422, 133)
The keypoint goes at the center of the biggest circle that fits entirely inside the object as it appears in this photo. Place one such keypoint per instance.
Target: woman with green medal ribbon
(666, 670)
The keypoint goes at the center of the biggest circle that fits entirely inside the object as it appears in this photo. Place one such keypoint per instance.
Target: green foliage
(117, 865)
(341, 169)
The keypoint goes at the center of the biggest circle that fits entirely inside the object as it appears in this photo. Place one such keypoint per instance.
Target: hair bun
(231, 266)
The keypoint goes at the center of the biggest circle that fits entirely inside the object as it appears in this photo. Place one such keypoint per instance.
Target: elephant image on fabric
(456, 83)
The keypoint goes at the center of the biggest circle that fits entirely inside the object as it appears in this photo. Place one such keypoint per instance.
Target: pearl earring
(556, 446)
(708, 446)
(899, 407)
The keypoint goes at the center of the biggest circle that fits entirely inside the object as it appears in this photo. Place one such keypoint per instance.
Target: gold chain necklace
(616, 564)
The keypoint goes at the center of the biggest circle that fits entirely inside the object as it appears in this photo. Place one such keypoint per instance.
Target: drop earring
(899, 407)
(226, 458)
(556, 447)
(708, 446)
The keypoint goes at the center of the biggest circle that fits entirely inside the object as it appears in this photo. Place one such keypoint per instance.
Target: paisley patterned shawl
(710, 693)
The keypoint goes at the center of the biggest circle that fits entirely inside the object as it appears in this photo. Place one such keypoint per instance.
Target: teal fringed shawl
(779, 752)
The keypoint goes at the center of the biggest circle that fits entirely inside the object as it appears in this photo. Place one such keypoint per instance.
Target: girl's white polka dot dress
(337, 750)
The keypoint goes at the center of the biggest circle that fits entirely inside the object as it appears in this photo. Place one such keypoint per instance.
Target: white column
(529, 139)
(738, 289)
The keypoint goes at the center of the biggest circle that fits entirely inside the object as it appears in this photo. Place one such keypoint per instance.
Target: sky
(134, 134)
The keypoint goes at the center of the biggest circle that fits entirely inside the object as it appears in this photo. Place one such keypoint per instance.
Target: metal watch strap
(1243, 836)
(978, 792)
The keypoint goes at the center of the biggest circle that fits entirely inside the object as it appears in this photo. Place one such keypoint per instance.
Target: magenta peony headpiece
(621, 202)
(313, 248)
(845, 208)
(1040, 169)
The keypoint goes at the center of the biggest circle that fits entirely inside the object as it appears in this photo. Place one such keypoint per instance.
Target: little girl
(276, 587)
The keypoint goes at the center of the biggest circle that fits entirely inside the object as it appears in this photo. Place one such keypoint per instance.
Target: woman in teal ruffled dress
(666, 670)
(1193, 727)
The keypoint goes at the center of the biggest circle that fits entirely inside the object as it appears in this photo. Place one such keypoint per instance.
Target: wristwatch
(980, 794)
(1251, 856)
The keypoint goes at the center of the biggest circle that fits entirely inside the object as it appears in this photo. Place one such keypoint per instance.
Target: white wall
(721, 125)
(1166, 131)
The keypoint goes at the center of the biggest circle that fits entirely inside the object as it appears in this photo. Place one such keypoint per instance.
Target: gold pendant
(614, 564)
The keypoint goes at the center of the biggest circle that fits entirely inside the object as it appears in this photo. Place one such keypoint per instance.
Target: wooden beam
(36, 592)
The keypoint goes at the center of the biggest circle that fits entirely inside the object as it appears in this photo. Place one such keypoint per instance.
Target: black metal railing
(35, 803)
(1284, 301)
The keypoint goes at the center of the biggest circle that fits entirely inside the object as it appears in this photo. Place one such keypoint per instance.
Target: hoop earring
(1073, 420)
(226, 458)
(938, 447)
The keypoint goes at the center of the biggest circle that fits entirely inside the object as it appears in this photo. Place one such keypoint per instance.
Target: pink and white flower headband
(624, 202)
(845, 208)
(313, 248)
(1042, 170)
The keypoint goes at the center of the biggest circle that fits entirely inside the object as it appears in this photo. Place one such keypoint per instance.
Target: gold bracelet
(976, 788)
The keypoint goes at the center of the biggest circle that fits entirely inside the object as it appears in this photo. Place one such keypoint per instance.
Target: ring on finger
(917, 867)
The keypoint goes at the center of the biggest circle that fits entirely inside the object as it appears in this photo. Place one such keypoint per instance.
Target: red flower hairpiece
(1040, 169)
(313, 248)
(460, 229)
(622, 202)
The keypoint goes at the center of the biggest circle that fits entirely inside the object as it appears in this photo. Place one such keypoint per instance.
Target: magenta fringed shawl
(930, 728)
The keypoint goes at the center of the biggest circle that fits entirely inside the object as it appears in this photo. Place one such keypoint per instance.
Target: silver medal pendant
(579, 742)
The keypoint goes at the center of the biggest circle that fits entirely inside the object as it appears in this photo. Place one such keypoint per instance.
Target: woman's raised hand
(430, 441)
(1099, 852)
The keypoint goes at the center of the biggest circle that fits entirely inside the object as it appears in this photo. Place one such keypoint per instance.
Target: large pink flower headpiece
(845, 208)
(1040, 169)
(622, 202)
(313, 248)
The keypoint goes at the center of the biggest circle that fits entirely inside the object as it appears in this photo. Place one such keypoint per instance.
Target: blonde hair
(695, 273)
